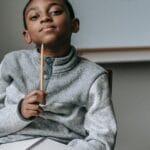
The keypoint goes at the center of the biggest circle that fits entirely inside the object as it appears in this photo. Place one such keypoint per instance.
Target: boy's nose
(45, 18)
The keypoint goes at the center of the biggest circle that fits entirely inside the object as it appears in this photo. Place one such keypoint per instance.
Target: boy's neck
(56, 52)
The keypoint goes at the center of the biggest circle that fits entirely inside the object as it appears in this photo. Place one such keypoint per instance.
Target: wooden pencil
(42, 68)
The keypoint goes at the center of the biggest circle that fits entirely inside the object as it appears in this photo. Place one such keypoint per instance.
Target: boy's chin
(53, 42)
(50, 43)
(49, 40)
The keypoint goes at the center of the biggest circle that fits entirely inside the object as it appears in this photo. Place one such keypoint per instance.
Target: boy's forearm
(79, 144)
(10, 120)
(99, 122)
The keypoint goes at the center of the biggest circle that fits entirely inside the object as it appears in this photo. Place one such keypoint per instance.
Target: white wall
(107, 23)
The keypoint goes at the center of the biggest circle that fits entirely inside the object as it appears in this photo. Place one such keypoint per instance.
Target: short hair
(68, 4)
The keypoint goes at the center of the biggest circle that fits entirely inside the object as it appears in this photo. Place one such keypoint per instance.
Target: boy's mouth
(47, 28)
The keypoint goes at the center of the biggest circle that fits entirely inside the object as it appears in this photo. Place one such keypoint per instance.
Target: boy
(77, 109)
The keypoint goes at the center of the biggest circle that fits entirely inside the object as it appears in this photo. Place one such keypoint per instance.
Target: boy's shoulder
(15, 57)
(17, 53)
(87, 64)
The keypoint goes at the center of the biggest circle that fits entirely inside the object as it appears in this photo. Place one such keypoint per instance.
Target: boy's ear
(27, 36)
(75, 25)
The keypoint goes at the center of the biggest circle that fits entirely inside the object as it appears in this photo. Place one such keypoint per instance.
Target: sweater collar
(60, 64)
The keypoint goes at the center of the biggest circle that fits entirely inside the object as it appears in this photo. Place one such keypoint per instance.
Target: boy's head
(49, 21)
(68, 4)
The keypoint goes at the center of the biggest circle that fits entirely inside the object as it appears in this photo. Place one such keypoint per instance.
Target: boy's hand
(30, 104)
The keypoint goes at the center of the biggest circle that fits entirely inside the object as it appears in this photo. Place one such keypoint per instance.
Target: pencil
(36, 143)
(42, 68)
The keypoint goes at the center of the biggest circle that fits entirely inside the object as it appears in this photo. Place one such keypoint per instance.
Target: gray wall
(104, 23)
(11, 26)
(131, 98)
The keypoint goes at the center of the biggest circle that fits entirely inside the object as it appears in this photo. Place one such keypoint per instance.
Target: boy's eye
(33, 18)
(55, 12)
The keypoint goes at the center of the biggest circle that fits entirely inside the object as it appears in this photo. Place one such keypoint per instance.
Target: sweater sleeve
(10, 120)
(99, 122)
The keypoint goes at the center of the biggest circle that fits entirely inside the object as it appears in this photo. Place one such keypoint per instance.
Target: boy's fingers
(34, 107)
(35, 92)
(36, 96)
(32, 113)
(33, 99)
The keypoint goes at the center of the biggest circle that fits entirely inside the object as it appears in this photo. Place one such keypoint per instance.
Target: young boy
(77, 109)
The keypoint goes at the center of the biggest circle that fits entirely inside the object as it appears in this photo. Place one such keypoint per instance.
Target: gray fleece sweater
(78, 109)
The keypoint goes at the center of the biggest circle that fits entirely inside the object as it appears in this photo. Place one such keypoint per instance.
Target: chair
(110, 73)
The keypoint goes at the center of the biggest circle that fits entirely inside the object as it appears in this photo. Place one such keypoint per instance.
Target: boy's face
(48, 22)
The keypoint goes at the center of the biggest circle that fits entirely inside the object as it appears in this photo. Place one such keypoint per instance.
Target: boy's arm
(10, 120)
(99, 122)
